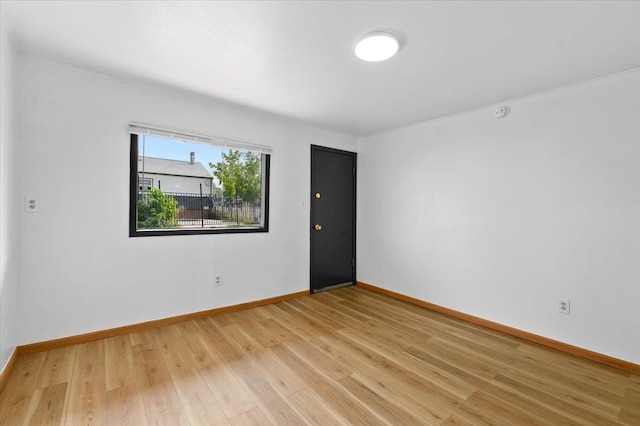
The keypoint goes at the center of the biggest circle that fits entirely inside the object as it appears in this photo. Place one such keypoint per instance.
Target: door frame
(354, 156)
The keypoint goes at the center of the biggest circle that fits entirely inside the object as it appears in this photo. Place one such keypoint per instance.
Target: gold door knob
(318, 195)
(318, 227)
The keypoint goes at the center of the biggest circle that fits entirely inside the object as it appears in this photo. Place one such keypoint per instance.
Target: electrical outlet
(30, 204)
(217, 282)
(564, 306)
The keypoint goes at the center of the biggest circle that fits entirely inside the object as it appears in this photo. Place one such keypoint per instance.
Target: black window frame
(133, 204)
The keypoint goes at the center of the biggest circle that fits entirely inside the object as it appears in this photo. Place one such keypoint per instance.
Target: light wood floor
(342, 357)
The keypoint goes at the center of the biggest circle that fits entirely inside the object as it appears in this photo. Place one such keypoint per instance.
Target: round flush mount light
(377, 46)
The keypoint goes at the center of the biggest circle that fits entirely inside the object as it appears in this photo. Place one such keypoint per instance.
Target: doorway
(333, 218)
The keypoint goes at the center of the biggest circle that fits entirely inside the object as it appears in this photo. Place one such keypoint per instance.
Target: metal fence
(196, 210)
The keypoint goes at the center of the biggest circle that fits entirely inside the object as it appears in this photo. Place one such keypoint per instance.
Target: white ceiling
(295, 57)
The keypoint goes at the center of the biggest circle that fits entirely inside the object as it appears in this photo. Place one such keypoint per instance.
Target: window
(208, 185)
(145, 184)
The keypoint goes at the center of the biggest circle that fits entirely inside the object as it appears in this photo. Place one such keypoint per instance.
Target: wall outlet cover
(31, 204)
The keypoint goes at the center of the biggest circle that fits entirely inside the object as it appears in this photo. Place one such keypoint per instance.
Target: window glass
(183, 188)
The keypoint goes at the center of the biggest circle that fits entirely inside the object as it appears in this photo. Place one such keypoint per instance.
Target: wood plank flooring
(347, 356)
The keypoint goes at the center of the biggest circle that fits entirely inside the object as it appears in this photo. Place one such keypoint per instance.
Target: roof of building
(163, 166)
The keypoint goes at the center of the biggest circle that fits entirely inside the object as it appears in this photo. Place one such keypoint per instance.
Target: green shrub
(158, 211)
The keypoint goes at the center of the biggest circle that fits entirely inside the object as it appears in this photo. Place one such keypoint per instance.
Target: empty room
(319, 212)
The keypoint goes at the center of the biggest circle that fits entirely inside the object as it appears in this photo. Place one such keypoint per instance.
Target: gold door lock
(318, 195)
(318, 227)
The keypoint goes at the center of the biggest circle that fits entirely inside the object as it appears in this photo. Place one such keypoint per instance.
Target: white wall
(80, 270)
(10, 203)
(501, 218)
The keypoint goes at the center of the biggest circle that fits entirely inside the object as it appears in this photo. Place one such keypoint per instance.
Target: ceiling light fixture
(377, 46)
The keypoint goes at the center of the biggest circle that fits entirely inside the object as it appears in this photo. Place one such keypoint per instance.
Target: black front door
(333, 218)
